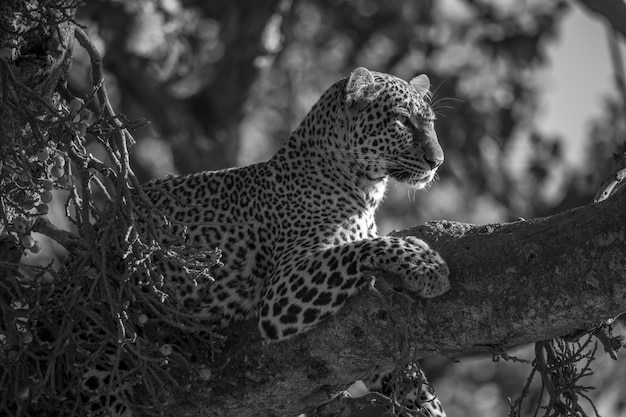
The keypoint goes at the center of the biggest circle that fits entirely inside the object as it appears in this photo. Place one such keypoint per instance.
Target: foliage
(105, 308)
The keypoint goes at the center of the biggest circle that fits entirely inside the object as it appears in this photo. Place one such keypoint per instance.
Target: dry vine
(561, 365)
(105, 308)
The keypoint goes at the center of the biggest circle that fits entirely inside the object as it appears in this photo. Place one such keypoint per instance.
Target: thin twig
(613, 180)
(66, 239)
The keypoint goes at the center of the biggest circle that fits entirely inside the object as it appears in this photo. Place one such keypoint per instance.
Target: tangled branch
(104, 312)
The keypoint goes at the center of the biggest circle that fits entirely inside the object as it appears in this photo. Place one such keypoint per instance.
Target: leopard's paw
(429, 272)
(433, 279)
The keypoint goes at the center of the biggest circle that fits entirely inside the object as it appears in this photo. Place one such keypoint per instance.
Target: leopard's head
(390, 130)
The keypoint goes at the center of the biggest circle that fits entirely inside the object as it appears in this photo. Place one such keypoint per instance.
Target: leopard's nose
(433, 154)
(434, 160)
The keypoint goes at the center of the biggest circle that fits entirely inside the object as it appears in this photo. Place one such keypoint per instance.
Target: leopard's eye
(402, 120)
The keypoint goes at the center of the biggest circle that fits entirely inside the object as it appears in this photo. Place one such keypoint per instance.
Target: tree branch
(614, 11)
(512, 283)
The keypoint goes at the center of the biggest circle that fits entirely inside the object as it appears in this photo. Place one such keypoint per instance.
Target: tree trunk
(512, 283)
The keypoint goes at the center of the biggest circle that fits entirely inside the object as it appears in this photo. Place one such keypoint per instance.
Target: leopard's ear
(421, 84)
(361, 89)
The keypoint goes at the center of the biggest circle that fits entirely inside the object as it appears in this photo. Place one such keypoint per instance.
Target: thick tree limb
(512, 283)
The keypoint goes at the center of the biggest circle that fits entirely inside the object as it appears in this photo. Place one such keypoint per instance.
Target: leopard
(298, 232)
(406, 388)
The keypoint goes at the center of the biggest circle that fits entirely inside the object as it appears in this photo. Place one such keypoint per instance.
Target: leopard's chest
(327, 213)
(353, 229)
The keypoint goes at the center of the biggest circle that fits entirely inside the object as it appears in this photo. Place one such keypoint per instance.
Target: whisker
(438, 104)
(439, 100)
(437, 88)
(401, 163)
(442, 107)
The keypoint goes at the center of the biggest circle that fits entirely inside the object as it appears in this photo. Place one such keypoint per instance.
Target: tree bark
(512, 283)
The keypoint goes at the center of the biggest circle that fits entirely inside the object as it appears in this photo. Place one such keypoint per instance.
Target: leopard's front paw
(429, 273)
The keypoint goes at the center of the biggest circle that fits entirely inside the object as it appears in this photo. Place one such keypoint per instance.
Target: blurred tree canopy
(224, 82)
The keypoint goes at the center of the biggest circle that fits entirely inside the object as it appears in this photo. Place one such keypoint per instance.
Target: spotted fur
(409, 388)
(297, 232)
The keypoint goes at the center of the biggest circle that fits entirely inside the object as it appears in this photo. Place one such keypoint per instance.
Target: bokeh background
(528, 109)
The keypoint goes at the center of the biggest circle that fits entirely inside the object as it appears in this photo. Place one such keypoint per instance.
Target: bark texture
(512, 283)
